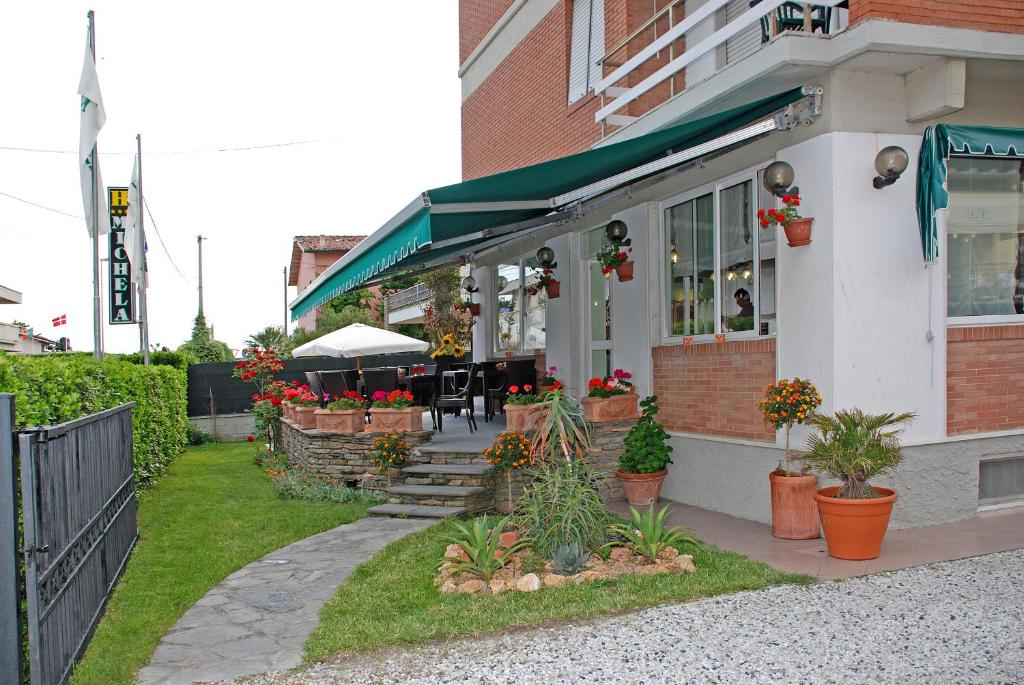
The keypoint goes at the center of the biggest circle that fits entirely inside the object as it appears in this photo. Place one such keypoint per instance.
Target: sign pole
(143, 267)
(285, 327)
(97, 318)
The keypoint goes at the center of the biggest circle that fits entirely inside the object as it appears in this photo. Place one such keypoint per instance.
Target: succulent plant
(569, 558)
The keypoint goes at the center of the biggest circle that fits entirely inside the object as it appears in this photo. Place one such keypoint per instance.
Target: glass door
(599, 321)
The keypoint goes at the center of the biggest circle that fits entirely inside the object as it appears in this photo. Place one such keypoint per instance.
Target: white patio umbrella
(358, 340)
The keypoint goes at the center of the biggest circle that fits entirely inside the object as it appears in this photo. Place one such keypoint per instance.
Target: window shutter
(745, 42)
(596, 41)
(579, 49)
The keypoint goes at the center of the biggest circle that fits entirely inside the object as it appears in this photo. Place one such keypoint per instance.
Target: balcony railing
(648, 65)
(408, 297)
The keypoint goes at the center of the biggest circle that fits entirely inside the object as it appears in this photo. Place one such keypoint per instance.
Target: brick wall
(476, 17)
(984, 379)
(713, 389)
(1005, 16)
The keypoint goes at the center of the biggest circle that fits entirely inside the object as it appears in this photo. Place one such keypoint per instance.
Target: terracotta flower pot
(286, 411)
(794, 513)
(520, 418)
(798, 231)
(474, 309)
(854, 528)
(340, 420)
(304, 417)
(614, 408)
(642, 489)
(386, 420)
(553, 288)
(624, 271)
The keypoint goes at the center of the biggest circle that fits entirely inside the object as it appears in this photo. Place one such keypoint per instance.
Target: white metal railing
(408, 297)
(614, 99)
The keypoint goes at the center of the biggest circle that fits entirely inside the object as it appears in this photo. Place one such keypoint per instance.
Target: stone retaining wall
(343, 457)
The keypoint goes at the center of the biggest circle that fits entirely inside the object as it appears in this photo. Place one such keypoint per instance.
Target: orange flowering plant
(389, 450)
(510, 451)
(787, 402)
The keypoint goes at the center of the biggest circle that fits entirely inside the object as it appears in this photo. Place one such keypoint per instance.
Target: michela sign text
(122, 295)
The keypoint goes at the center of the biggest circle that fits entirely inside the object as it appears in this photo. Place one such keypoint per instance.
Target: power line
(36, 204)
(145, 203)
(265, 146)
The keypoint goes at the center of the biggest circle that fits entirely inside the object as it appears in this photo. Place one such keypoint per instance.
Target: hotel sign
(122, 295)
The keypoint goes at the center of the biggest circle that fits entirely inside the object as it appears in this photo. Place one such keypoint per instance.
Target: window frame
(714, 188)
(519, 350)
(981, 319)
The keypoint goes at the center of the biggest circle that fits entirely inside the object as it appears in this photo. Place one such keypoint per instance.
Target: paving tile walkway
(258, 618)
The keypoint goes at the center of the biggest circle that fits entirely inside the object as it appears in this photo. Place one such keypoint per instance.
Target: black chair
(333, 382)
(351, 379)
(313, 381)
(518, 373)
(461, 399)
(375, 380)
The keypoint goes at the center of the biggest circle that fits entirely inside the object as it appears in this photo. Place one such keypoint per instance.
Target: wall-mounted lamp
(890, 163)
(546, 257)
(778, 179)
(673, 255)
(616, 231)
(469, 285)
(502, 283)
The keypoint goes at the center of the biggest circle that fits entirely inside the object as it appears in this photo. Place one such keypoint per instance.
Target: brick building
(311, 255)
(901, 123)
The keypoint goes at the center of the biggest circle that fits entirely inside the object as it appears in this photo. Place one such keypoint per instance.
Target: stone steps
(415, 511)
(478, 475)
(471, 498)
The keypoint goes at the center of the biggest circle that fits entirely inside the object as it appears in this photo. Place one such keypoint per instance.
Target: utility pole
(285, 327)
(143, 283)
(199, 239)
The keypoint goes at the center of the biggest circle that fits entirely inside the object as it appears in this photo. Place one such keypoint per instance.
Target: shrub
(294, 484)
(197, 436)
(57, 388)
(563, 432)
(647, 448)
(563, 505)
(482, 545)
(179, 360)
(648, 533)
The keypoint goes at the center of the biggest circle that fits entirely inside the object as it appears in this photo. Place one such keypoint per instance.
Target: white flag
(93, 118)
(134, 234)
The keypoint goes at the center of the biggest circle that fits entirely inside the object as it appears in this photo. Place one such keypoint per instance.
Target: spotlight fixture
(469, 284)
(616, 231)
(778, 179)
(890, 163)
(674, 255)
(546, 257)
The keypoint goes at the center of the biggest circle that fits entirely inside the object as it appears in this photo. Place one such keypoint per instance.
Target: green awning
(452, 219)
(941, 142)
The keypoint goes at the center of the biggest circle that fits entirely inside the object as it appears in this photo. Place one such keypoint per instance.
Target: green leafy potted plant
(794, 514)
(616, 258)
(343, 414)
(523, 409)
(853, 447)
(642, 467)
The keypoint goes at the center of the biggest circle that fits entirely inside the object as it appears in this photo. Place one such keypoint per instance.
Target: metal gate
(79, 505)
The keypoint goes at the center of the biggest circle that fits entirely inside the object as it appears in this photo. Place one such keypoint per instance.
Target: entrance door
(599, 321)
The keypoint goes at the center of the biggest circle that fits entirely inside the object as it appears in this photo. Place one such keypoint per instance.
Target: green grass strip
(390, 600)
(211, 515)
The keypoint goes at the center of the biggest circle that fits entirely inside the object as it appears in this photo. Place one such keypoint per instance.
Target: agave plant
(481, 543)
(853, 446)
(569, 558)
(563, 432)
(648, 533)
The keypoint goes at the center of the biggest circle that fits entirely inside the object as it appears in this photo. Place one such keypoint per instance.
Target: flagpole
(143, 282)
(97, 319)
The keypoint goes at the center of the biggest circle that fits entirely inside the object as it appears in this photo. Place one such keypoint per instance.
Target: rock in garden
(528, 583)
(621, 554)
(646, 569)
(508, 538)
(554, 580)
(497, 585)
(448, 586)
(668, 554)
(586, 576)
(684, 562)
(454, 550)
(474, 587)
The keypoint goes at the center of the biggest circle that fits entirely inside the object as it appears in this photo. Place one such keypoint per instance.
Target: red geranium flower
(249, 438)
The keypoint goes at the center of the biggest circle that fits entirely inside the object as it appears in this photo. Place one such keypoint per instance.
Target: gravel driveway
(955, 622)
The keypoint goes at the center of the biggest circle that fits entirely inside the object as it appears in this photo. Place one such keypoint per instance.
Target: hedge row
(56, 388)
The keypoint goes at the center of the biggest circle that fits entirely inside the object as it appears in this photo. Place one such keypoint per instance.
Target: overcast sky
(374, 84)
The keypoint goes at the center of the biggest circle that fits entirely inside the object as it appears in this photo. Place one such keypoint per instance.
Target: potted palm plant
(642, 467)
(853, 447)
(794, 513)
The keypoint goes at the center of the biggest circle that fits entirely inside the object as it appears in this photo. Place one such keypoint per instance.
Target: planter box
(383, 420)
(614, 408)
(286, 411)
(521, 418)
(340, 421)
(304, 417)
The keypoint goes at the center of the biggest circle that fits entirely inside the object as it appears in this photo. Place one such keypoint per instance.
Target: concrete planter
(520, 418)
(614, 408)
(340, 421)
(304, 417)
(386, 420)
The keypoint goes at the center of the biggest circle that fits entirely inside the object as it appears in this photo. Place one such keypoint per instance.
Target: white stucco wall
(631, 316)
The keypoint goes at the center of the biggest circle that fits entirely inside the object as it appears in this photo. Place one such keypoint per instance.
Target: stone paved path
(258, 618)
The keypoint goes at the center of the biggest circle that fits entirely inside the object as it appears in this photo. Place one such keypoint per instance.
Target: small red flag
(59, 320)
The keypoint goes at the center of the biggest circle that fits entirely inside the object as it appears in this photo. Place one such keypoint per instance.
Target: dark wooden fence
(79, 511)
(212, 390)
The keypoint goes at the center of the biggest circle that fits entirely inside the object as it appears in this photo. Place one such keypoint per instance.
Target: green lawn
(213, 513)
(390, 600)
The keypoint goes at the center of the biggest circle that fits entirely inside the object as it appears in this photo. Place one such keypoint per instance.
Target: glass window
(507, 292)
(985, 237)
(534, 307)
(521, 307)
(720, 265)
